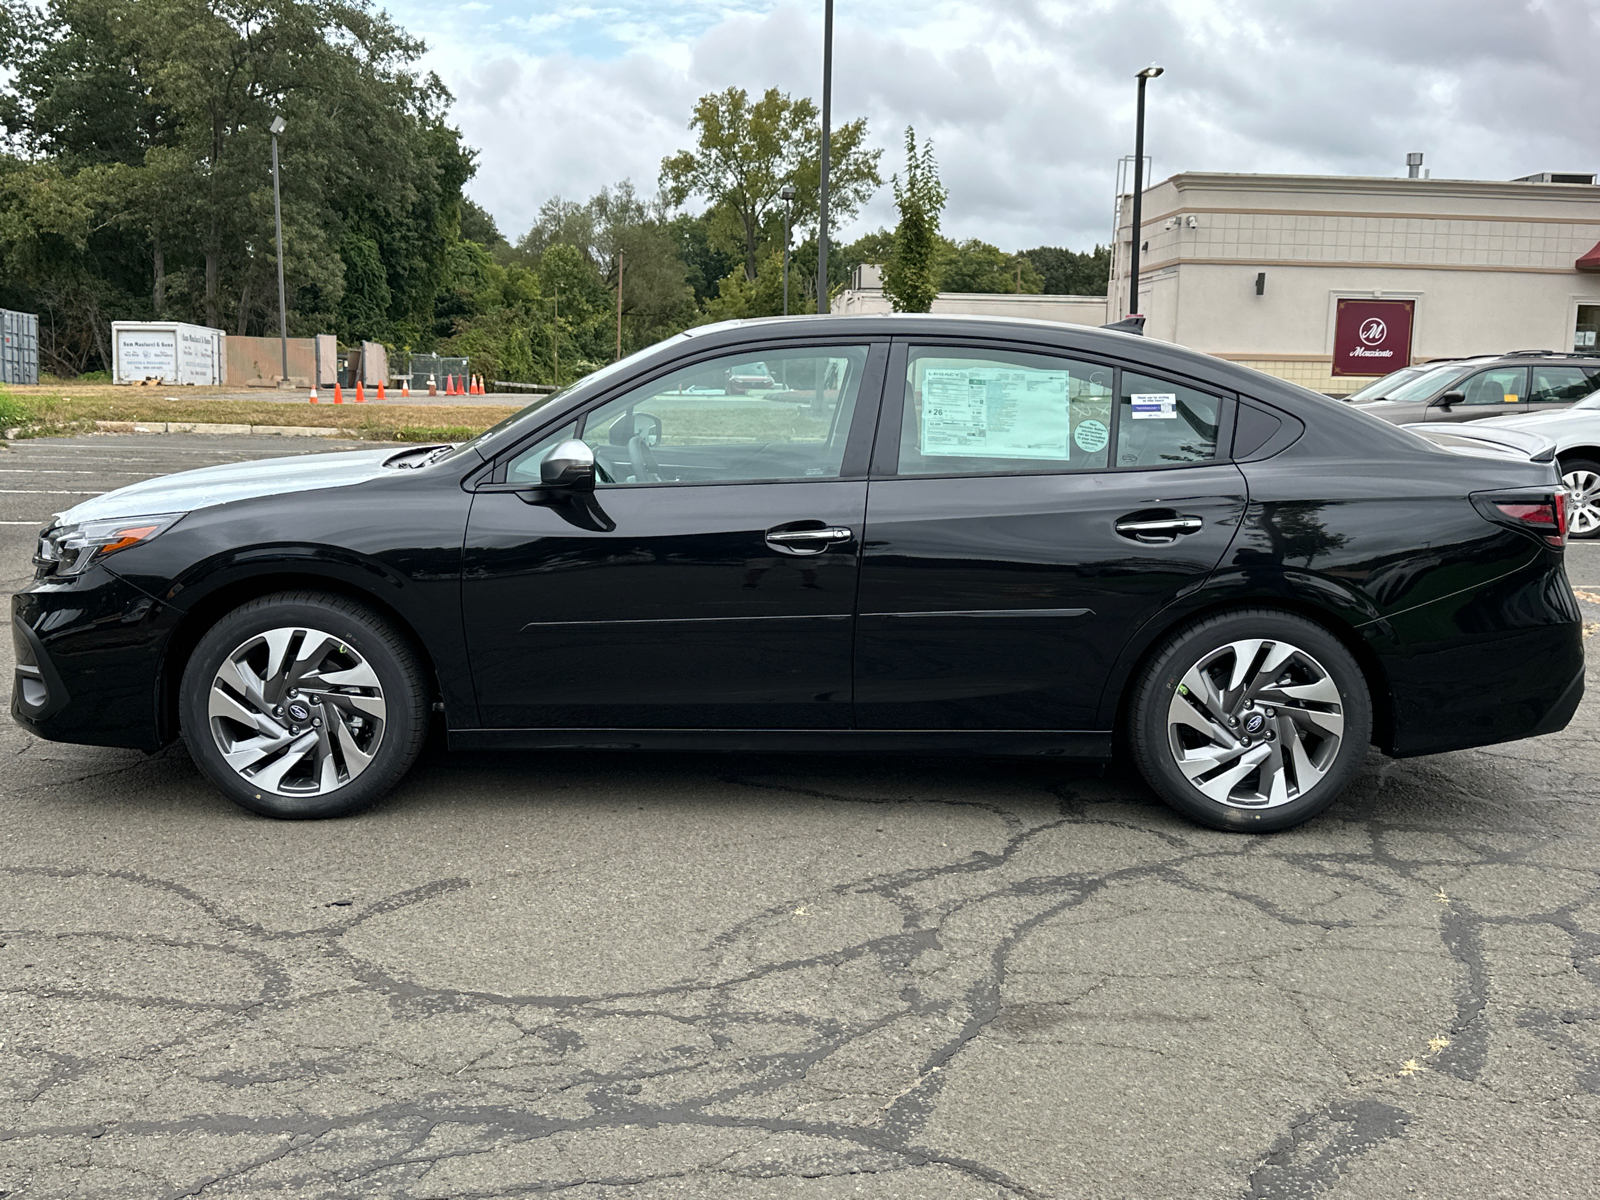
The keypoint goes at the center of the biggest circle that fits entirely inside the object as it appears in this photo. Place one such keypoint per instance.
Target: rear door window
(1563, 385)
(1163, 424)
(971, 411)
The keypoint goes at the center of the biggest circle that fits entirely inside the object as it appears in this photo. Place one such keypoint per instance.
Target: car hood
(210, 486)
(1537, 421)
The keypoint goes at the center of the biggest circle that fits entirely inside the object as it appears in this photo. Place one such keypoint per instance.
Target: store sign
(1372, 337)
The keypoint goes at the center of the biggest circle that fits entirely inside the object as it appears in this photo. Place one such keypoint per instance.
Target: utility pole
(275, 129)
(827, 121)
(1144, 77)
(619, 303)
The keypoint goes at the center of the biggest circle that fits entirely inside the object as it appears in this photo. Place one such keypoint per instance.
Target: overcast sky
(1029, 105)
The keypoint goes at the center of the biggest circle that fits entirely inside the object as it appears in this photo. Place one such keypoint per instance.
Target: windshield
(605, 372)
(1424, 386)
(1380, 388)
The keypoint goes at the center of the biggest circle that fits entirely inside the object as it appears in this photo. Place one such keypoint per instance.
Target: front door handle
(1158, 529)
(807, 541)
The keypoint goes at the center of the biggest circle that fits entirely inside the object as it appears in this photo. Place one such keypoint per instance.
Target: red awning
(1591, 260)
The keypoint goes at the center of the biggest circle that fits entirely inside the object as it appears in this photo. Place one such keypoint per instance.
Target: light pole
(275, 129)
(1144, 77)
(786, 194)
(827, 119)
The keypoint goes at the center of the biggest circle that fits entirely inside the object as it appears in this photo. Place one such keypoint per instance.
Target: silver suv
(1525, 381)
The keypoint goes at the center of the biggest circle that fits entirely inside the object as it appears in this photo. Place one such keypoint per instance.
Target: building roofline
(1378, 185)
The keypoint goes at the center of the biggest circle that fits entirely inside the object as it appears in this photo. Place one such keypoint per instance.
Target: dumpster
(168, 351)
(19, 347)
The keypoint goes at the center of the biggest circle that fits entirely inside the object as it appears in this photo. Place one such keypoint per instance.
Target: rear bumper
(88, 659)
(1499, 663)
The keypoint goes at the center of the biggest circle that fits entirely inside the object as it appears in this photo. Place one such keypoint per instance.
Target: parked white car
(1576, 433)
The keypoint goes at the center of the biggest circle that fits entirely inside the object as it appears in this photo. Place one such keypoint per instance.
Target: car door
(1495, 392)
(709, 579)
(1560, 387)
(1028, 511)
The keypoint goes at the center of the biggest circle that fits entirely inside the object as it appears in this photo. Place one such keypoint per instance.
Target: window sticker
(1091, 436)
(1154, 406)
(995, 412)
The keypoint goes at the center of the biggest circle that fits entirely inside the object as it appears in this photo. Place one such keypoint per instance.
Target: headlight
(73, 549)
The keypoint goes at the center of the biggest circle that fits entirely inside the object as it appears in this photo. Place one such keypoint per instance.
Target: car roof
(1126, 348)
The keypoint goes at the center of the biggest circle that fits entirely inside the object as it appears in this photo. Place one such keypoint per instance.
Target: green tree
(910, 277)
(746, 153)
(1067, 273)
(976, 266)
(177, 94)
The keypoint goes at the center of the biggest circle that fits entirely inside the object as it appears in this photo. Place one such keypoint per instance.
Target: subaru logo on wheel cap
(299, 712)
(1254, 722)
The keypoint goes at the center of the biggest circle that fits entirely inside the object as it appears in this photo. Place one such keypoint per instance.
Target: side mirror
(570, 465)
(1449, 398)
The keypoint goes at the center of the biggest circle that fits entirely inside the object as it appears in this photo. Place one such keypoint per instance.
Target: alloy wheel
(1583, 501)
(1255, 723)
(296, 711)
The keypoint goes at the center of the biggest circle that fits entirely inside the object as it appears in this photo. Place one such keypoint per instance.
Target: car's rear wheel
(1253, 720)
(1581, 477)
(303, 705)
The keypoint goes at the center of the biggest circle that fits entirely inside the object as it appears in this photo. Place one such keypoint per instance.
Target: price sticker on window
(1154, 406)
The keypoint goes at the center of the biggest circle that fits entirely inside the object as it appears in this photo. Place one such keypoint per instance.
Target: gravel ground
(793, 977)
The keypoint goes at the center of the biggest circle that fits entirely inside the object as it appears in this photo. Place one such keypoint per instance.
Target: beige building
(1279, 271)
(1253, 267)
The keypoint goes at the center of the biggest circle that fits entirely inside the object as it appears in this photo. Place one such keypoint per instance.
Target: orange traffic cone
(449, 385)
(477, 383)
(313, 393)
(338, 393)
(472, 385)
(405, 387)
(361, 395)
(433, 385)
(380, 389)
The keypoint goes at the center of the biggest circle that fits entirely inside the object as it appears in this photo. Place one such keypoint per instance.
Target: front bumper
(88, 658)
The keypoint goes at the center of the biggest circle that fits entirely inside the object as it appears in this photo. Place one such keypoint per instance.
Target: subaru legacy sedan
(949, 535)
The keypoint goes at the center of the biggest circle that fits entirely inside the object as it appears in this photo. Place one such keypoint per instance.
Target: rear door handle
(1158, 529)
(807, 541)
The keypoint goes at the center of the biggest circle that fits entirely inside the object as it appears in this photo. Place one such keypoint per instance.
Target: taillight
(1542, 514)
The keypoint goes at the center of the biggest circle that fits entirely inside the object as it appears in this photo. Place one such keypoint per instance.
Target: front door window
(1498, 388)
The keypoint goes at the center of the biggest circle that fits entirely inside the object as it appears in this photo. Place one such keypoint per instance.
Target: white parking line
(43, 492)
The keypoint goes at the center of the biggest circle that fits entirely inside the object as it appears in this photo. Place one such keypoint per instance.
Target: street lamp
(786, 194)
(827, 114)
(1144, 77)
(275, 129)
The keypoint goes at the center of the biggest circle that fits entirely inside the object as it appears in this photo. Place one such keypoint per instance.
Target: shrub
(13, 412)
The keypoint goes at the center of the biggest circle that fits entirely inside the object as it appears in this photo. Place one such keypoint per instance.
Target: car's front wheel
(1581, 478)
(303, 705)
(1252, 721)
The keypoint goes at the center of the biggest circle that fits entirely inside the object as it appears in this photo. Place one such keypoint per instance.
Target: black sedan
(945, 535)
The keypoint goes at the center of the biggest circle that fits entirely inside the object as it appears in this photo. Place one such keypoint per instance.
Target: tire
(322, 750)
(1302, 699)
(1581, 477)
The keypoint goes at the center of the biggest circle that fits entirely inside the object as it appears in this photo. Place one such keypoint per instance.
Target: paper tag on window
(1154, 406)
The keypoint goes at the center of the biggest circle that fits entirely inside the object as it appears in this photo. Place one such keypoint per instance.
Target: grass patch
(13, 411)
(51, 411)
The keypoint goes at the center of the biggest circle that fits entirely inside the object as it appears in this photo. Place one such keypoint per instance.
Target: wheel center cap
(299, 711)
(1254, 723)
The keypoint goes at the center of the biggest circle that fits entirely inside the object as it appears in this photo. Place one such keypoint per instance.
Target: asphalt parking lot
(790, 977)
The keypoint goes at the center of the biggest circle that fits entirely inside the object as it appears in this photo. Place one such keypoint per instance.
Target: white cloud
(1030, 104)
